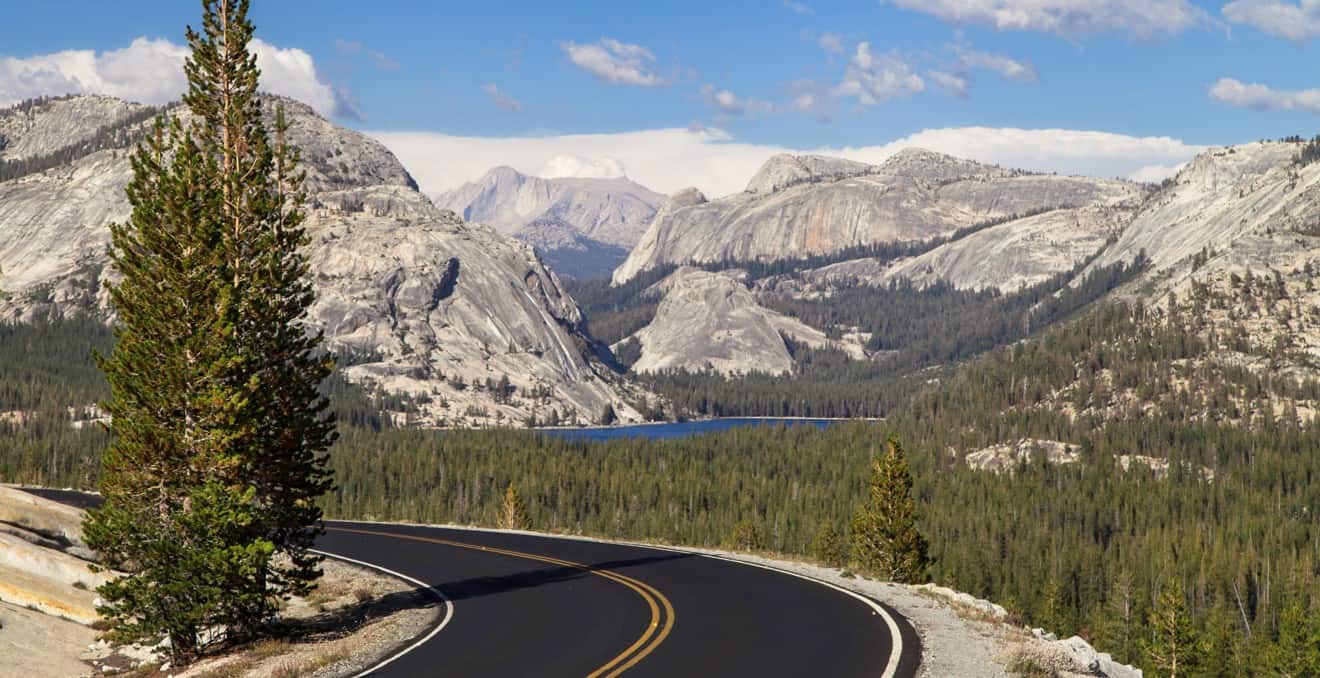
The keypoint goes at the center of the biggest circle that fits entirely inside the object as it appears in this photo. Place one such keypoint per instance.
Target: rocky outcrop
(796, 206)
(43, 126)
(1007, 456)
(425, 303)
(44, 564)
(603, 212)
(712, 321)
(1219, 197)
(1007, 257)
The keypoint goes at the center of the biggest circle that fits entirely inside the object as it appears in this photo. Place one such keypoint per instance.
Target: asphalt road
(528, 605)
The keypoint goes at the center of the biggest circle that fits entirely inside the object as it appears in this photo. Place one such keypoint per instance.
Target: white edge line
(449, 609)
(896, 652)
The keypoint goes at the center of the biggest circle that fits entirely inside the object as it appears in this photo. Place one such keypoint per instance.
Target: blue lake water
(679, 430)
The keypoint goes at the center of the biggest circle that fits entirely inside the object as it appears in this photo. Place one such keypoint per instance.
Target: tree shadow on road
(476, 587)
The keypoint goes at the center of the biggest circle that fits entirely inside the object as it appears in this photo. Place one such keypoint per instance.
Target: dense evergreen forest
(919, 334)
(617, 311)
(1083, 548)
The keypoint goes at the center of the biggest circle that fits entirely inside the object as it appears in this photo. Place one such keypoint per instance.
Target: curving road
(530, 605)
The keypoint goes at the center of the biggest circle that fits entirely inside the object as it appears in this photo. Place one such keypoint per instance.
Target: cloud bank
(1298, 22)
(710, 159)
(150, 71)
(1265, 98)
(1067, 18)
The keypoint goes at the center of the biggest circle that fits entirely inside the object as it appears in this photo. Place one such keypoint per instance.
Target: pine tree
(1172, 649)
(829, 547)
(513, 515)
(1117, 622)
(1223, 645)
(885, 538)
(1297, 652)
(219, 428)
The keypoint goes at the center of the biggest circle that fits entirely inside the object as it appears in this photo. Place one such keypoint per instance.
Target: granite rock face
(427, 304)
(608, 216)
(1009, 256)
(801, 205)
(711, 321)
(40, 127)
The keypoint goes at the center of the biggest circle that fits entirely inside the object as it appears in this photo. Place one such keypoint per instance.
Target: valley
(1096, 377)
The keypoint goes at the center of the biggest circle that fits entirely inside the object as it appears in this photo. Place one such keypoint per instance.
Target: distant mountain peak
(785, 170)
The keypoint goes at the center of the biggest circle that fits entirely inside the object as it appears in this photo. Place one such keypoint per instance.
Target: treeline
(614, 312)
(117, 135)
(1084, 548)
(919, 334)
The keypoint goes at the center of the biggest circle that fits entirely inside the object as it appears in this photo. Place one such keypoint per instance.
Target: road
(530, 605)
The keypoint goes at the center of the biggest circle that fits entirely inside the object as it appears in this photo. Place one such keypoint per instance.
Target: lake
(679, 430)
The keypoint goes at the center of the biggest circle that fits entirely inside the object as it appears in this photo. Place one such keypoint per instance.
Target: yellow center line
(634, 653)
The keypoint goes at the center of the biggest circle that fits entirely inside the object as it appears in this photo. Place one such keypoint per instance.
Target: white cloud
(150, 70)
(710, 159)
(1069, 18)
(832, 43)
(1264, 98)
(615, 62)
(582, 168)
(728, 103)
(875, 79)
(1295, 21)
(501, 99)
(952, 83)
(1153, 174)
(798, 7)
(810, 97)
(1021, 71)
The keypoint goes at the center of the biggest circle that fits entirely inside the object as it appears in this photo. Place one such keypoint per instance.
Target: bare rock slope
(426, 303)
(801, 205)
(709, 320)
(607, 216)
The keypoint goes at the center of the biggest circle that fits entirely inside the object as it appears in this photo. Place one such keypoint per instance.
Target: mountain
(608, 215)
(1007, 256)
(711, 320)
(418, 301)
(796, 206)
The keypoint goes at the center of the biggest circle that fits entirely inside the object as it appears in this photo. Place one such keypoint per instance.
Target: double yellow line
(662, 611)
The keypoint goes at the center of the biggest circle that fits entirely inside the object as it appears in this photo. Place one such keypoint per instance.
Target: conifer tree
(1173, 648)
(829, 547)
(1117, 622)
(219, 429)
(513, 515)
(885, 538)
(1297, 652)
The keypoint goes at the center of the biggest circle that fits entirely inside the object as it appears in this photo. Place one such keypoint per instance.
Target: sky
(675, 94)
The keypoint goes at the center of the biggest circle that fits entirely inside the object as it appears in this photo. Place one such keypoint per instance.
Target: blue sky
(436, 81)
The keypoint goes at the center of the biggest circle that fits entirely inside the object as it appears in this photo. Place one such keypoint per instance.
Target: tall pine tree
(1173, 649)
(885, 538)
(219, 428)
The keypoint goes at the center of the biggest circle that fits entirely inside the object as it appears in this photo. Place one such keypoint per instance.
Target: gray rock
(797, 206)
(429, 299)
(614, 211)
(709, 320)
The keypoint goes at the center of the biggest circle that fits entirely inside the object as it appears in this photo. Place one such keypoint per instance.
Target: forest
(919, 334)
(1087, 548)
